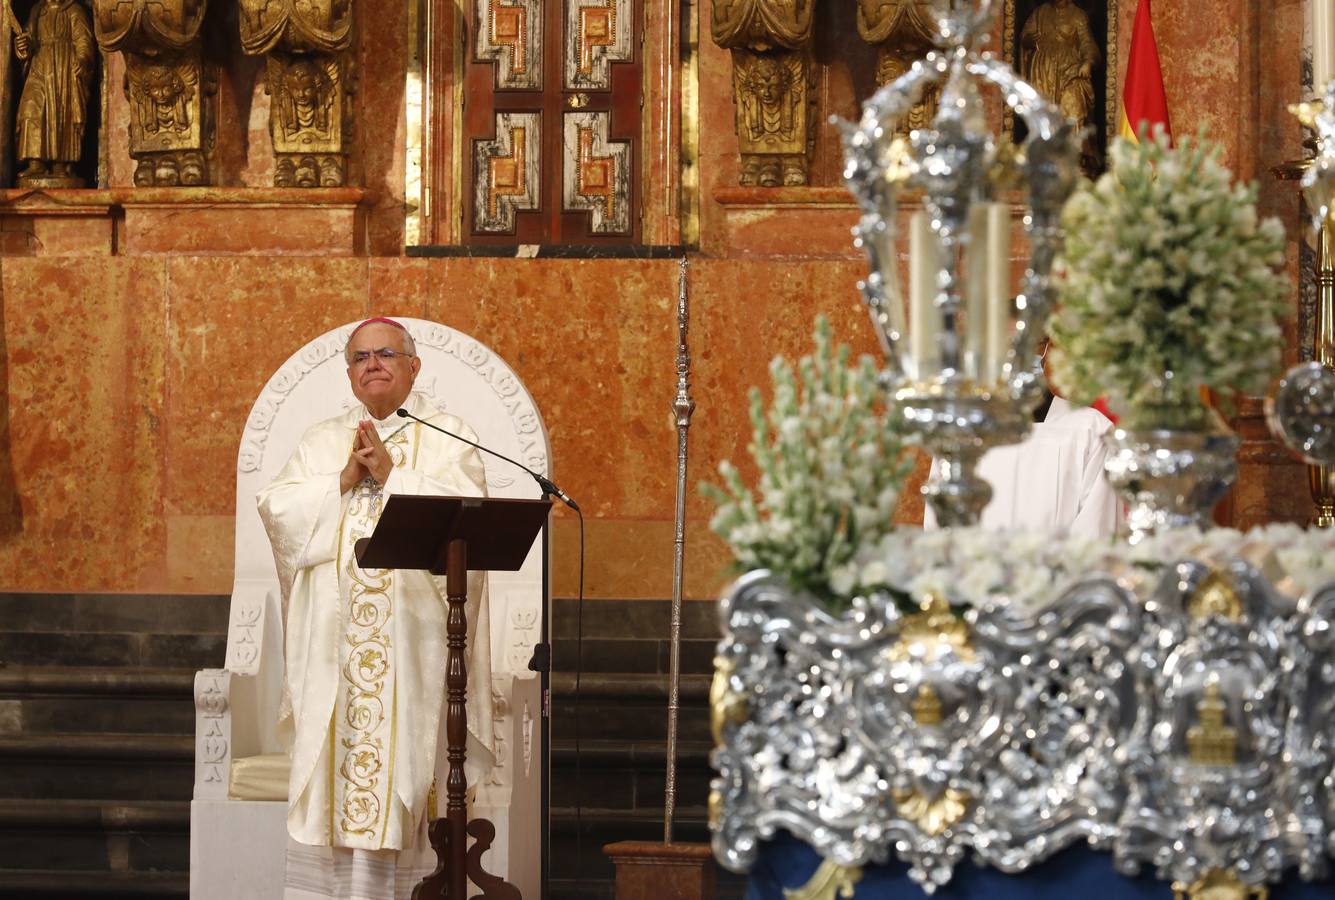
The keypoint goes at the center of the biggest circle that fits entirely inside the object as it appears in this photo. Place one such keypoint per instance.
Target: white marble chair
(238, 814)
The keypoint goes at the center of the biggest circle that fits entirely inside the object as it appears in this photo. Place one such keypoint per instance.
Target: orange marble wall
(128, 377)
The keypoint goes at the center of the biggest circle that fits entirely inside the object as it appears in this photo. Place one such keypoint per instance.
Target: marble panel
(201, 551)
(231, 323)
(116, 149)
(811, 222)
(219, 221)
(719, 164)
(64, 223)
(87, 395)
(398, 286)
(244, 154)
(595, 343)
(733, 343)
(632, 559)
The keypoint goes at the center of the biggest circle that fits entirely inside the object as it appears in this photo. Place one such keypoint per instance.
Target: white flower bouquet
(1029, 571)
(1170, 286)
(831, 466)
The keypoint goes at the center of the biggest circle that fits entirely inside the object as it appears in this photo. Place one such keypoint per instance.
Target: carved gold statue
(1058, 54)
(172, 88)
(772, 71)
(902, 31)
(58, 53)
(309, 78)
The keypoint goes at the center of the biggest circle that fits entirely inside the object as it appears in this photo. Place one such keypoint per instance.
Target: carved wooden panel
(552, 94)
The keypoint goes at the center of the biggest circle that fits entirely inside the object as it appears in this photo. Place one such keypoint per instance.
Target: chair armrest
(213, 733)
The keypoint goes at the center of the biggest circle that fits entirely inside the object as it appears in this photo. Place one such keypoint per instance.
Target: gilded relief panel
(773, 81)
(172, 89)
(902, 32)
(310, 79)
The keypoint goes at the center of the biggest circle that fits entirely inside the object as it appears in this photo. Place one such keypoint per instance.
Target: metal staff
(683, 406)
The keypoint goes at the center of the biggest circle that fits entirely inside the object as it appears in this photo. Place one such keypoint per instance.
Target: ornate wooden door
(552, 109)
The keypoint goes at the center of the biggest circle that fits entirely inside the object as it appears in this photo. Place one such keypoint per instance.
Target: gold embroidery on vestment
(365, 760)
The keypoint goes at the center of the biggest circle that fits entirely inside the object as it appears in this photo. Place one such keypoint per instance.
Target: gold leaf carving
(933, 815)
(830, 882)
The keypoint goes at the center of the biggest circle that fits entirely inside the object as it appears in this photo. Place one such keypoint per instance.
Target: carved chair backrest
(461, 376)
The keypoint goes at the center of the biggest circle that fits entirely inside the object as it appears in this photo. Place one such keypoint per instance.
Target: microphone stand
(541, 661)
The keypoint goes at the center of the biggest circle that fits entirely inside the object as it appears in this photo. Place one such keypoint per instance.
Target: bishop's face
(381, 384)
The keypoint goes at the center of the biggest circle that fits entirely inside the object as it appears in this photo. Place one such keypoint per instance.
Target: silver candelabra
(960, 364)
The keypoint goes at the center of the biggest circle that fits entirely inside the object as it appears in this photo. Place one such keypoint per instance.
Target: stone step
(622, 685)
(138, 649)
(629, 720)
(616, 775)
(104, 885)
(628, 707)
(97, 766)
(640, 655)
(59, 699)
(116, 613)
(83, 835)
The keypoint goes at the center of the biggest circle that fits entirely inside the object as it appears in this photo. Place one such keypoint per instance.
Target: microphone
(548, 487)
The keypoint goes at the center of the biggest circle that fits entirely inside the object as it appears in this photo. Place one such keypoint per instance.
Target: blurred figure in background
(1053, 480)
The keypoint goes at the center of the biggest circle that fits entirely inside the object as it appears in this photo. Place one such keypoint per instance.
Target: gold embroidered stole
(363, 730)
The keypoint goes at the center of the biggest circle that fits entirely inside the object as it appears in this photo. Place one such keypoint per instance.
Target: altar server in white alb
(1053, 480)
(366, 648)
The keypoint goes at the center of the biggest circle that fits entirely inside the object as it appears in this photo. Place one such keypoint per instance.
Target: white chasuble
(1053, 480)
(365, 648)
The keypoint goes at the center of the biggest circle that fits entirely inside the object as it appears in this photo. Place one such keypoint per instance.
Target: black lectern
(449, 536)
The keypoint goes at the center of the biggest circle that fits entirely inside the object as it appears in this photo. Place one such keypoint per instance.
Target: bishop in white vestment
(365, 649)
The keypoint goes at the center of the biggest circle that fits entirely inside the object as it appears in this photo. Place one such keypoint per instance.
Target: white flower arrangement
(1029, 571)
(1170, 285)
(831, 468)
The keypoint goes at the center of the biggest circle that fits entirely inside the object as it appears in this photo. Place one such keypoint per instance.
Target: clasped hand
(368, 458)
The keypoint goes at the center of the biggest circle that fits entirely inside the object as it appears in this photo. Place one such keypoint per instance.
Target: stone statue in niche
(772, 76)
(309, 79)
(901, 31)
(172, 88)
(58, 53)
(1058, 54)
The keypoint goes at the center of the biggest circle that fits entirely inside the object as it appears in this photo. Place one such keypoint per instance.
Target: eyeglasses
(384, 354)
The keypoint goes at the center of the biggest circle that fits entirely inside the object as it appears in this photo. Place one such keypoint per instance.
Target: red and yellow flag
(1143, 98)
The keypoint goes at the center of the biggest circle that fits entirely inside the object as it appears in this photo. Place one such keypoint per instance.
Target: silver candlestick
(964, 390)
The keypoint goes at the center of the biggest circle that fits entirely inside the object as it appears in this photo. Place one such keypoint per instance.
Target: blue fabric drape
(1078, 872)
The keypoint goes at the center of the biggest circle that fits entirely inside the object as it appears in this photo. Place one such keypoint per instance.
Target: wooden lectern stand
(449, 536)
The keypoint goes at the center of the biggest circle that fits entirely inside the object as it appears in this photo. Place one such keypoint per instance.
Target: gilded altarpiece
(551, 124)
